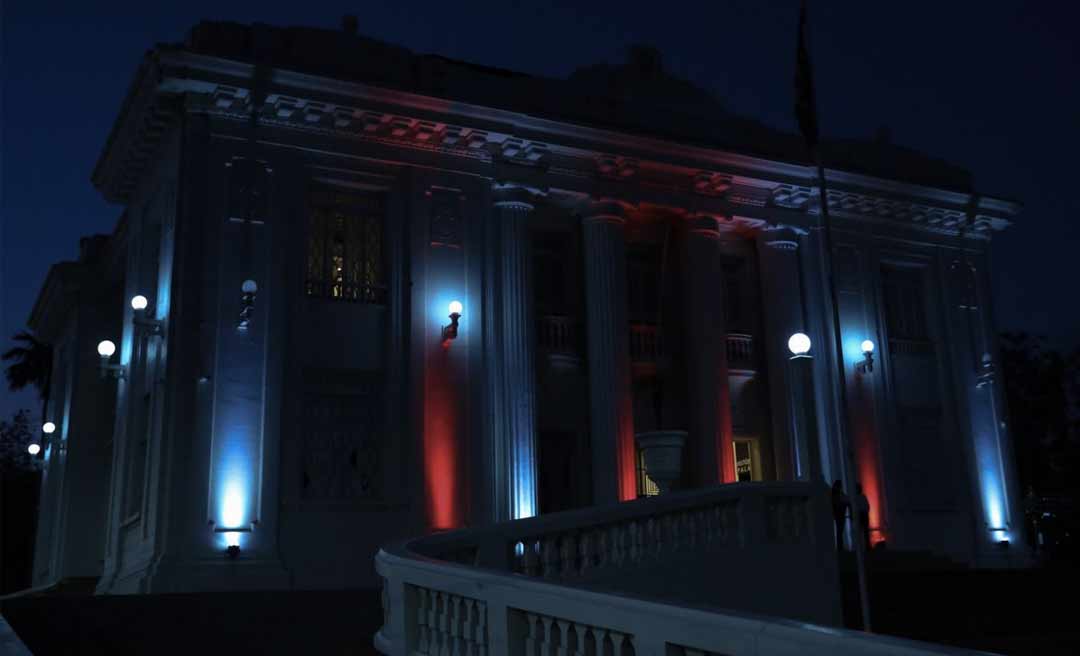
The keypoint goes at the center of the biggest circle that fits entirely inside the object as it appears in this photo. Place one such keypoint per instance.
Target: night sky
(992, 87)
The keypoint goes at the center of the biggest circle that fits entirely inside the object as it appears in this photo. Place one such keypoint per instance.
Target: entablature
(521, 146)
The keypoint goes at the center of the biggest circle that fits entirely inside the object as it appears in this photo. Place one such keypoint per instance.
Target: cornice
(486, 135)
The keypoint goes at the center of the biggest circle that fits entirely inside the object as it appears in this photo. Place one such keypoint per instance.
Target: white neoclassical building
(304, 209)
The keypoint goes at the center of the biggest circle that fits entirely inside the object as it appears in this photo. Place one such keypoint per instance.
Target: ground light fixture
(450, 331)
(34, 448)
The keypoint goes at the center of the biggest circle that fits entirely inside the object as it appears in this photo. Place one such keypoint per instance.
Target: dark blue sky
(990, 86)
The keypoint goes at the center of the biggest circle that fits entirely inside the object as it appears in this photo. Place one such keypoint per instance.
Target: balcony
(658, 577)
(561, 340)
(740, 353)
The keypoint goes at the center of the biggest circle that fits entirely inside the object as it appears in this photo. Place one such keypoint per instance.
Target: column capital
(514, 196)
(781, 238)
(709, 225)
(605, 210)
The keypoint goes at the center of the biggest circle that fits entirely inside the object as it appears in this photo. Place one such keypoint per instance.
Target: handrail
(478, 591)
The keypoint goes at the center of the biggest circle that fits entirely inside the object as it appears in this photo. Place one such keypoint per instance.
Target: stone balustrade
(740, 352)
(677, 574)
(645, 343)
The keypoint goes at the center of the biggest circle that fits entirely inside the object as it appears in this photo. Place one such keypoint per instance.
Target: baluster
(568, 554)
(548, 644)
(456, 626)
(585, 552)
(617, 544)
(617, 643)
(423, 620)
(532, 560)
(481, 628)
(603, 547)
(532, 642)
(442, 603)
(601, 642)
(561, 650)
(549, 558)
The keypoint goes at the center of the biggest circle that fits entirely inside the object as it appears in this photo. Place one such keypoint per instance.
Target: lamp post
(806, 458)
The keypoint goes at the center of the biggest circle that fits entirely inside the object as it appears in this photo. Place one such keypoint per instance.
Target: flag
(805, 105)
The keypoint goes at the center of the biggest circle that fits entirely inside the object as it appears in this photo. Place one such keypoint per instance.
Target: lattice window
(345, 246)
(342, 446)
(905, 303)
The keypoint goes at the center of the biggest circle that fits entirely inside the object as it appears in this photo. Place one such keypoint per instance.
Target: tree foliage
(31, 364)
(15, 437)
(1042, 388)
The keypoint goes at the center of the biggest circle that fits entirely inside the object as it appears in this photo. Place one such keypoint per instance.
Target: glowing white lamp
(455, 308)
(33, 449)
(48, 428)
(249, 287)
(105, 348)
(799, 344)
(138, 302)
(867, 346)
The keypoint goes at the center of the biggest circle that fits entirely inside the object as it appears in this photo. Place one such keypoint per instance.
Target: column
(514, 262)
(783, 314)
(706, 365)
(611, 404)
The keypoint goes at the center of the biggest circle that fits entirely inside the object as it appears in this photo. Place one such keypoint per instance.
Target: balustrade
(560, 337)
(605, 581)
(645, 343)
(740, 352)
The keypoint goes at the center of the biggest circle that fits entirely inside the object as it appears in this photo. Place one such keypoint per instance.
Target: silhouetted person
(1031, 517)
(862, 506)
(839, 513)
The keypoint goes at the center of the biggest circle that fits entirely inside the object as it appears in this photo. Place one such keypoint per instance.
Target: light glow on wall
(441, 404)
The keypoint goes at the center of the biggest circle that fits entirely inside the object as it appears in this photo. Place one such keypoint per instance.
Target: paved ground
(232, 623)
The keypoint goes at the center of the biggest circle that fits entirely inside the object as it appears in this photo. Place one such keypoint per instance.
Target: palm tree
(31, 364)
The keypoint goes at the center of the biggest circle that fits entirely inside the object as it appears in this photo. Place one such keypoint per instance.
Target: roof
(636, 96)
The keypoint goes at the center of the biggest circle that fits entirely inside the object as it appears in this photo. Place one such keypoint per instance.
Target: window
(646, 486)
(905, 305)
(345, 246)
(643, 283)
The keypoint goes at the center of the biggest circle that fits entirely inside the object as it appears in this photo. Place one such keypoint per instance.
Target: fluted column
(782, 293)
(514, 205)
(611, 403)
(706, 364)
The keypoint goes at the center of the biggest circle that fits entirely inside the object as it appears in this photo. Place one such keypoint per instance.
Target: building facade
(306, 209)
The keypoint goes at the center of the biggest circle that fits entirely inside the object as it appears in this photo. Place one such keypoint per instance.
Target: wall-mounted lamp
(106, 349)
(48, 428)
(450, 330)
(799, 344)
(142, 319)
(247, 305)
(34, 448)
(867, 365)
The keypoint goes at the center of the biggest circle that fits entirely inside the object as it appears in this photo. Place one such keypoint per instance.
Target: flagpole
(806, 114)
(844, 429)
